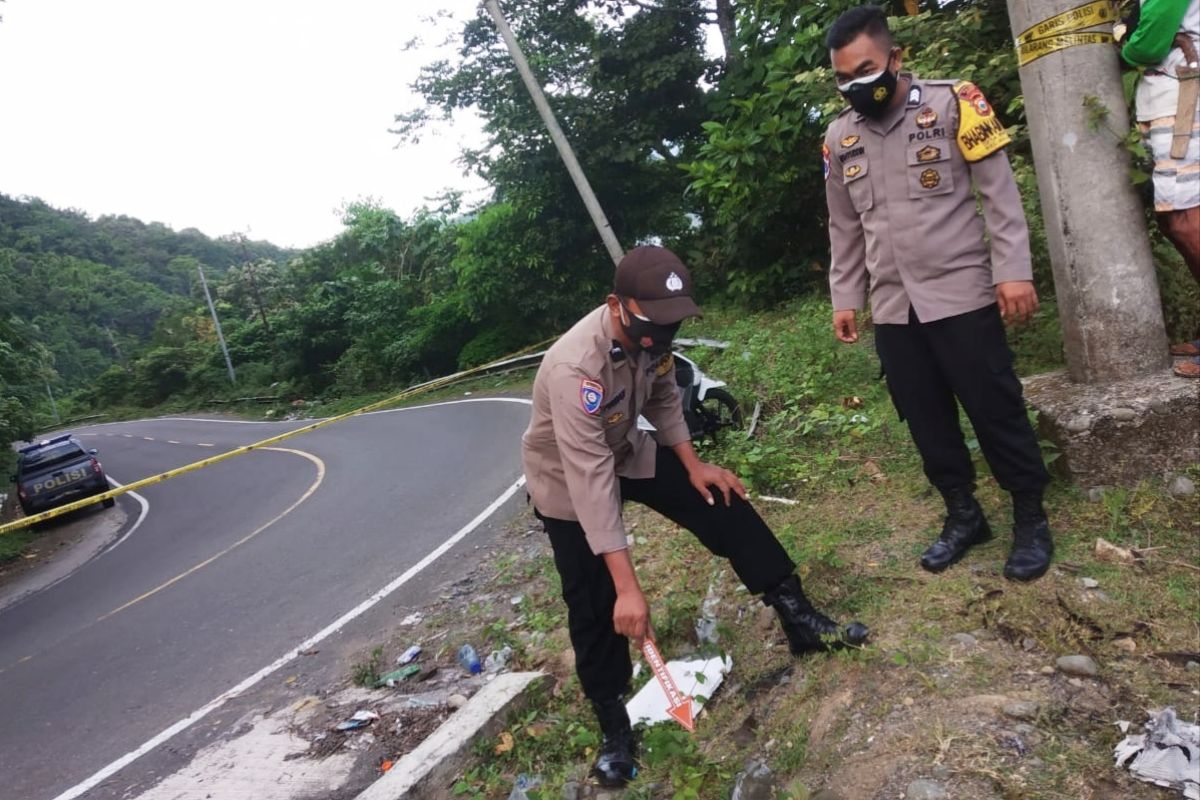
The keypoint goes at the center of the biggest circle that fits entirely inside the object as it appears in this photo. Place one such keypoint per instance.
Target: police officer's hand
(844, 326)
(1018, 300)
(704, 475)
(631, 616)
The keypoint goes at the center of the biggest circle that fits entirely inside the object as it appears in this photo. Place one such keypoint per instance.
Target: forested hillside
(716, 155)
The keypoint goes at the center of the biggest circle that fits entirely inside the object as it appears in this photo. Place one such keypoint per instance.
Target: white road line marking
(202, 712)
(145, 504)
(204, 444)
(147, 438)
(127, 435)
(172, 441)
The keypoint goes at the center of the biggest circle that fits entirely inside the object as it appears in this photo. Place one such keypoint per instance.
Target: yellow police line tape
(1073, 19)
(1066, 30)
(412, 391)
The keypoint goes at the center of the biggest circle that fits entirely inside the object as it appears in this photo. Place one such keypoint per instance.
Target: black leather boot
(617, 763)
(965, 525)
(807, 629)
(1032, 545)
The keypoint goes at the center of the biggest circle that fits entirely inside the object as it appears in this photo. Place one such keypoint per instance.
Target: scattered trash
(409, 655)
(1089, 583)
(361, 719)
(421, 703)
(398, 676)
(469, 659)
(384, 766)
(505, 744)
(697, 679)
(706, 625)
(1107, 551)
(522, 784)
(1168, 755)
(413, 619)
(754, 783)
(517, 599)
(498, 660)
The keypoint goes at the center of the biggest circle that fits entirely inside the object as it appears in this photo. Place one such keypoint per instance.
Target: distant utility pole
(217, 322)
(53, 405)
(113, 341)
(560, 140)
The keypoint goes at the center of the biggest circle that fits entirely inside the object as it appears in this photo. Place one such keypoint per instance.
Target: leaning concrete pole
(1104, 276)
(560, 140)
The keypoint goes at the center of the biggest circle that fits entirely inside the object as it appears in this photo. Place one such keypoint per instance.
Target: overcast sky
(225, 115)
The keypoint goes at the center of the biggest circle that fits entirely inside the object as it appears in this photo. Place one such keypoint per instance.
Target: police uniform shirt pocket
(854, 175)
(929, 170)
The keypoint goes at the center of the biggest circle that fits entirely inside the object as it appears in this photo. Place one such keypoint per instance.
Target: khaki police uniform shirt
(587, 396)
(902, 213)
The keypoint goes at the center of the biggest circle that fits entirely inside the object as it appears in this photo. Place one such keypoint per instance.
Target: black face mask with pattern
(871, 96)
(639, 328)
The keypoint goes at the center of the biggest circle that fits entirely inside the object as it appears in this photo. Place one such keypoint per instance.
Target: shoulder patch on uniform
(980, 132)
(591, 395)
(914, 96)
(825, 159)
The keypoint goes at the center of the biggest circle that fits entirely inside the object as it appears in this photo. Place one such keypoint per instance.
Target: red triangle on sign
(683, 714)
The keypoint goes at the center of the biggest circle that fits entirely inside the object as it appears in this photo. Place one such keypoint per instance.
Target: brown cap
(658, 280)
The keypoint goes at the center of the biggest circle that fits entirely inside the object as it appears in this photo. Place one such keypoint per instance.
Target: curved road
(229, 569)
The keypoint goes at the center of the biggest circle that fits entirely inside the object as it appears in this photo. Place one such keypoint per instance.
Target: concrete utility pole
(1117, 414)
(560, 140)
(53, 405)
(217, 322)
(1104, 276)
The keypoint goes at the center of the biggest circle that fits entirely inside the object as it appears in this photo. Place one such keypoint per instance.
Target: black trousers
(735, 532)
(933, 366)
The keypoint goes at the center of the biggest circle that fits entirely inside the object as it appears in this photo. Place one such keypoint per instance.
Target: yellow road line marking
(307, 494)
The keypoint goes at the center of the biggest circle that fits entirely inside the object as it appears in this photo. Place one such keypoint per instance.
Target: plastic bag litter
(1168, 755)
(361, 719)
(498, 660)
(706, 625)
(523, 783)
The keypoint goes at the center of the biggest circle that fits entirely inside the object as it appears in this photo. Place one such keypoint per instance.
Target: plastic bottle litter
(398, 676)
(409, 655)
(469, 659)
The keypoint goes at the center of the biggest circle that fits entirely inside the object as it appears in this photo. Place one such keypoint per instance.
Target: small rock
(1095, 494)
(983, 634)
(1126, 645)
(1021, 709)
(570, 790)
(456, 700)
(964, 639)
(1078, 665)
(1028, 643)
(605, 796)
(940, 771)
(1079, 424)
(1047, 670)
(1124, 414)
(1181, 486)
(1077, 683)
(1026, 729)
(924, 789)
(754, 783)
(1089, 583)
(1192, 666)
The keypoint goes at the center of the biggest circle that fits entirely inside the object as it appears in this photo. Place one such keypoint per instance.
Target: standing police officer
(899, 168)
(584, 454)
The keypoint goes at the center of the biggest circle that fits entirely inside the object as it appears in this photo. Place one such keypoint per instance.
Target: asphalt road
(231, 567)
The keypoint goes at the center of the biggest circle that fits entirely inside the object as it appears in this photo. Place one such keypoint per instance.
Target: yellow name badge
(980, 133)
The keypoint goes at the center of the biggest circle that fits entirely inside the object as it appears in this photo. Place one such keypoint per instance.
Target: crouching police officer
(899, 169)
(584, 455)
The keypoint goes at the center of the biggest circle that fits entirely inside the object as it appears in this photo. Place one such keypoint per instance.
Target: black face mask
(639, 328)
(872, 95)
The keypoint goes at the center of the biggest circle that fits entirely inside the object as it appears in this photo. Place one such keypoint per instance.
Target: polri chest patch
(591, 396)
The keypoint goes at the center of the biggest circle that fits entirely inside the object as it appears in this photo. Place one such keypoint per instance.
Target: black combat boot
(807, 629)
(616, 765)
(964, 526)
(1032, 545)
